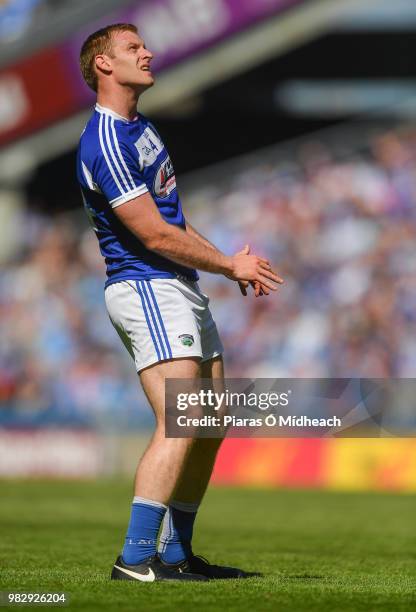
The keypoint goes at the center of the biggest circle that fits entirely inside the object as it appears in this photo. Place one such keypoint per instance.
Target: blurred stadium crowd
(18, 16)
(341, 231)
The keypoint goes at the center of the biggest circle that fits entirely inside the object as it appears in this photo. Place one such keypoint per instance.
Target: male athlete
(153, 299)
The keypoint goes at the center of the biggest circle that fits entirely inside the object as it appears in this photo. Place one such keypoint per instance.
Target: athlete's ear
(102, 63)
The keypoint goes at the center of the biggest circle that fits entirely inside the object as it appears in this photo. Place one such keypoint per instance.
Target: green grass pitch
(318, 550)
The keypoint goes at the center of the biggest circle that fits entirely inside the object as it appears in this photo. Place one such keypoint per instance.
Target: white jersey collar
(108, 111)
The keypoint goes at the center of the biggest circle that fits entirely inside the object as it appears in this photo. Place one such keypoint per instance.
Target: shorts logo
(186, 339)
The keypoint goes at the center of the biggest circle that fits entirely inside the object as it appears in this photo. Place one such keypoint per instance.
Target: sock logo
(186, 339)
(141, 542)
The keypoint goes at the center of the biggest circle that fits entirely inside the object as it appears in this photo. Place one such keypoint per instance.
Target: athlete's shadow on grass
(253, 575)
(306, 577)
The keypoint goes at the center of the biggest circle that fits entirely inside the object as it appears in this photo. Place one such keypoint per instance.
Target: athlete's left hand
(259, 288)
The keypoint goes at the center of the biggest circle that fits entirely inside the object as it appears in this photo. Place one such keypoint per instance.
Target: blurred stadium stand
(29, 25)
(198, 44)
(334, 209)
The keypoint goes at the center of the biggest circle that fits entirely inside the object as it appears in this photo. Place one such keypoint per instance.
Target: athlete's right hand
(253, 268)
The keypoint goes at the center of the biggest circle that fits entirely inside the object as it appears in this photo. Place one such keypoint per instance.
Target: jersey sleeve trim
(115, 159)
(142, 189)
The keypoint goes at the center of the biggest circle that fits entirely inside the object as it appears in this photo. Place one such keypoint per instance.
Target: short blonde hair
(97, 43)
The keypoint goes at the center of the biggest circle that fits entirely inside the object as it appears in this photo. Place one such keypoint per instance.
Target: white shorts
(161, 319)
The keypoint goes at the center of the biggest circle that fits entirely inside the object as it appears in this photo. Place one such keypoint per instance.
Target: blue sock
(178, 525)
(145, 520)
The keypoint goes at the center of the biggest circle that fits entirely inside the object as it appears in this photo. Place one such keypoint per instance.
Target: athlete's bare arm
(142, 217)
(243, 284)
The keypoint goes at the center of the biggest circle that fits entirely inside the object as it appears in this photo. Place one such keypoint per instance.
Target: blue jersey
(117, 161)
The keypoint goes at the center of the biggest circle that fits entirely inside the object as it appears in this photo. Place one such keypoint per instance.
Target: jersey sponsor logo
(165, 180)
(149, 146)
(186, 339)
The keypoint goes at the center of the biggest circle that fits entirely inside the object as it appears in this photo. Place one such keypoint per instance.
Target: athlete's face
(130, 61)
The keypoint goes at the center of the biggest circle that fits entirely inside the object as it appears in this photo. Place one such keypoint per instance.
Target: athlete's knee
(160, 436)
